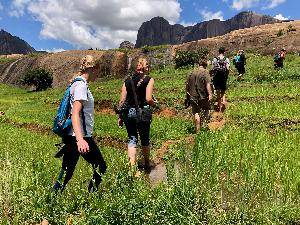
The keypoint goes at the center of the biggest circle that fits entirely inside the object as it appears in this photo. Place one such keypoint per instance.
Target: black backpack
(221, 66)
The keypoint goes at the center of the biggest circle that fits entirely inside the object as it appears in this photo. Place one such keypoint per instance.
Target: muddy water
(157, 174)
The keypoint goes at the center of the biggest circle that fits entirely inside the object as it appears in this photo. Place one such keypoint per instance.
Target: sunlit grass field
(246, 173)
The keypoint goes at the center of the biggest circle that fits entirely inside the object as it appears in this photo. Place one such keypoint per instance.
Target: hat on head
(87, 62)
(283, 49)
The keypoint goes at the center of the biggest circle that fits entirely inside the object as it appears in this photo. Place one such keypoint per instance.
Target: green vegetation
(146, 48)
(246, 173)
(5, 59)
(189, 58)
(40, 78)
(291, 28)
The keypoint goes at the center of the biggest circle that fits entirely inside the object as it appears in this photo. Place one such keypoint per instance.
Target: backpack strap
(82, 112)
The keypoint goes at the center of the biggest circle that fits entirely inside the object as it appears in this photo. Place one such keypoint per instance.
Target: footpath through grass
(246, 173)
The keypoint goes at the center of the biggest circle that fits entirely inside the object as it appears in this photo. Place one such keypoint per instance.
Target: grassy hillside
(246, 173)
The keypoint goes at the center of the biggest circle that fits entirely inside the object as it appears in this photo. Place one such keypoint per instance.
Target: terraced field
(246, 173)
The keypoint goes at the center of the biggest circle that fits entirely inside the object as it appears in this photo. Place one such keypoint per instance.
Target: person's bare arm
(123, 95)
(209, 90)
(82, 145)
(121, 103)
(149, 91)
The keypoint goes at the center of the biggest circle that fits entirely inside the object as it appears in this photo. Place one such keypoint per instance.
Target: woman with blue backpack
(76, 127)
(135, 101)
(240, 61)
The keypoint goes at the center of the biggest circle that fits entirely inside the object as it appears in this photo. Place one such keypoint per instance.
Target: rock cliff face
(158, 31)
(64, 65)
(13, 45)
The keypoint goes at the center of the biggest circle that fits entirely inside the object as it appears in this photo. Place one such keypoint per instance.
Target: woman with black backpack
(135, 101)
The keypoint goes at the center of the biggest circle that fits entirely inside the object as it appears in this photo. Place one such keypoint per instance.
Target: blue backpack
(62, 121)
(236, 59)
(276, 57)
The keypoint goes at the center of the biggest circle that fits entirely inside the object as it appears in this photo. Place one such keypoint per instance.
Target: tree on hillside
(40, 78)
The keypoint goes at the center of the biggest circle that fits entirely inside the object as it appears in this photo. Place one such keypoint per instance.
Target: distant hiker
(240, 61)
(78, 140)
(199, 93)
(135, 101)
(220, 72)
(279, 58)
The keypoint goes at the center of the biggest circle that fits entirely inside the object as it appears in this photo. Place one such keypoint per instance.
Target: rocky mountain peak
(158, 31)
(10, 44)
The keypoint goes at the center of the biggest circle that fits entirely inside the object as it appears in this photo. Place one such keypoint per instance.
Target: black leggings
(71, 157)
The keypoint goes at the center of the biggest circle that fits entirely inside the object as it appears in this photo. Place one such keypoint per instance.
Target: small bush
(291, 28)
(146, 49)
(189, 58)
(40, 78)
(280, 33)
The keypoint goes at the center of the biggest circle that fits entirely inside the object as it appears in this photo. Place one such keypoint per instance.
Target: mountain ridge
(10, 44)
(158, 31)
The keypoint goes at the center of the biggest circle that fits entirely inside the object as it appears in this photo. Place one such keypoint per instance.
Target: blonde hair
(142, 64)
(85, 63)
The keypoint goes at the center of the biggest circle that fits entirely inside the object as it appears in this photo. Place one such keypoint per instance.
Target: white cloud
(243, 4)
(95, 23)
(1, 6)
(246, 4)
(208, 15)
(54, 50)
(280, 17)
(274, 3)
(186, 24)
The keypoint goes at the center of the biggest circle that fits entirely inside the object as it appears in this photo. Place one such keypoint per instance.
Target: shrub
(280, 33)
(291, 28)
(189, 58)
(40, 78)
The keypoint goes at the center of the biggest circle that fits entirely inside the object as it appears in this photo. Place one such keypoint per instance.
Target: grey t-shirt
(80, 91)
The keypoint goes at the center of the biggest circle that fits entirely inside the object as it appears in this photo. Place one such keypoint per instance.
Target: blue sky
(56, 25)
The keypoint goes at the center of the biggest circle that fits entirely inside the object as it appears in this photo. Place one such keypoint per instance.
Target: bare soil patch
(217, 121)
(166, 112)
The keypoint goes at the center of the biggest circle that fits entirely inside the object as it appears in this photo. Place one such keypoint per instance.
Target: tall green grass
(246, 173)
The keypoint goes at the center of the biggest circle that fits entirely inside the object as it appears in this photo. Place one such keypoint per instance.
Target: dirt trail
(217, 121)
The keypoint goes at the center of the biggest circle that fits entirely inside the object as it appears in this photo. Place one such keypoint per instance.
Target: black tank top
(140, 91)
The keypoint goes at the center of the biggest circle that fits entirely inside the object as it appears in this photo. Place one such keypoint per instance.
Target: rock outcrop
(13, 45)
(64, 65)
(126, 45)
(158, 31)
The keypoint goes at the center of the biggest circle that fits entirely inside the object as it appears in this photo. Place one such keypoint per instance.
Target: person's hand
(83, 146)
(120, 122)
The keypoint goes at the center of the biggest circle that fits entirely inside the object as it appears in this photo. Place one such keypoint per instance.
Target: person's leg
(197, 121)
(220, 96)
(196, 113)
(69, 162)
(95, 158)
(132, 141)
(144, 132)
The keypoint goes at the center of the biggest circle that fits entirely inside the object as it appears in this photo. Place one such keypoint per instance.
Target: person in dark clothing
(220, 72)
(199, 93)
(279, 58)
(143, 86)
(79, 141)
(240, 62)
